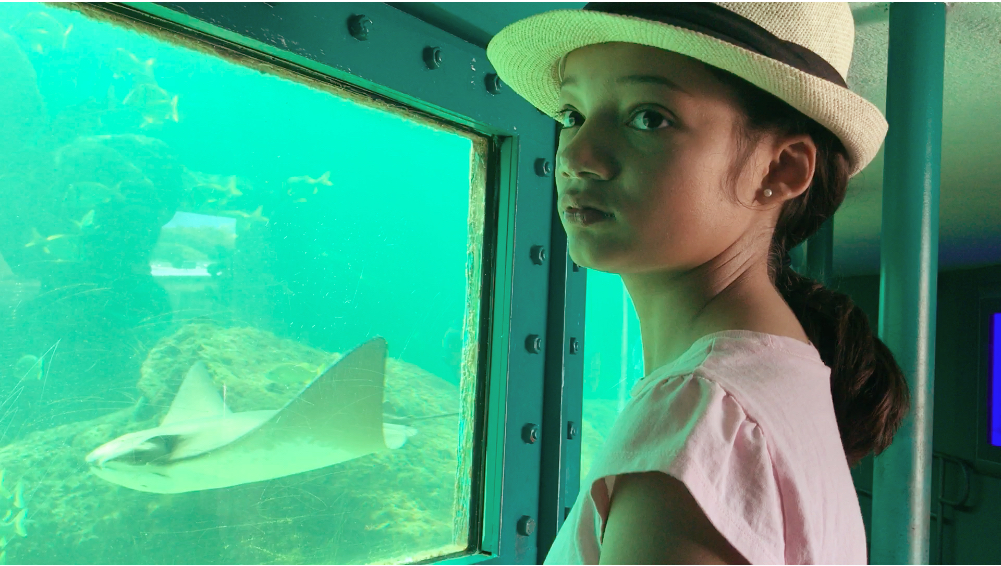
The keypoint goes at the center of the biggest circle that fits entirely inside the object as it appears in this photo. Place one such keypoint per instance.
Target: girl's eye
(562, 117)
(654, 118)
(651, 122)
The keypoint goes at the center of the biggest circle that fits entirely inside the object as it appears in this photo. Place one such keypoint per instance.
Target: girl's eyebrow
(636, 79)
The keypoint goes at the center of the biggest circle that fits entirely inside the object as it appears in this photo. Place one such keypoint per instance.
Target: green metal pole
(820, 253)
(909, 274)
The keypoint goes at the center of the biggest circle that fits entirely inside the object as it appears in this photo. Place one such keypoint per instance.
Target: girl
(699, 143)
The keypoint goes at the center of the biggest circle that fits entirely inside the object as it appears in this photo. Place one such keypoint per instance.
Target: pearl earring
(768, 193)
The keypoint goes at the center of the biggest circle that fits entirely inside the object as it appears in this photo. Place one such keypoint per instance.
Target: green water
(165, 210)
(162, 208)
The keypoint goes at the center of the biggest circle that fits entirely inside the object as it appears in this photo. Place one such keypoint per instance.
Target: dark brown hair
(869, 390)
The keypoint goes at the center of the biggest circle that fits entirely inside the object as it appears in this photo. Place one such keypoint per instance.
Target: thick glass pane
(238, 308)
(613, 359)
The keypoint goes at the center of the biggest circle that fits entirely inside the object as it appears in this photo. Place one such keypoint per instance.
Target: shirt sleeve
(693, 430)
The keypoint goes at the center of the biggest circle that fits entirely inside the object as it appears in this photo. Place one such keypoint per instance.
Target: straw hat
(798, 51)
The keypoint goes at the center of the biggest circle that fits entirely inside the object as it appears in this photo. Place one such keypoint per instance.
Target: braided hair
(867, 385)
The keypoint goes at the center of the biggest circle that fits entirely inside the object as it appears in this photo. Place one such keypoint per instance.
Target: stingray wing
(337, 417)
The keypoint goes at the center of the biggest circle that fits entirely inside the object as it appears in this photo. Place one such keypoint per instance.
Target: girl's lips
(585, 216)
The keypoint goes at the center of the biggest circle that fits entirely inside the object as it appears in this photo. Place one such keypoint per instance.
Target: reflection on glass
(613, 359)
(239, 309)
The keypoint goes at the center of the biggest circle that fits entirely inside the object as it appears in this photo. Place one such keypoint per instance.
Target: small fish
(229, 188)
(89, 194)
(38, 240)
(28, 367)
(301, 187)
(87, 220)
(18, 523)
(43, 32)
(255, 216)
(19, 495)
(153, 103)
(125, 64)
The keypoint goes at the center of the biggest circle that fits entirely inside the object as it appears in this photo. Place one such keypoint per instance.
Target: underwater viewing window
(613, 360)
(245, 308)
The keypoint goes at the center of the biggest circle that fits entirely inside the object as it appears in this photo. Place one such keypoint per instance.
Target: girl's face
(648, 138)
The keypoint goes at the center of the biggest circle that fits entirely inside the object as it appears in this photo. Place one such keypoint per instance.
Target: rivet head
(530, 433)
(533, 343)
(526, 526)
(493, 83)
(538, 254)
(432, 57)
(571, 430)
(543, 167)
(359, 26)
(574, 345)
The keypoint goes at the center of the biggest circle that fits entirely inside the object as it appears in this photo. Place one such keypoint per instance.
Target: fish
(301, 187)
(255, 216)
(87, 220)
(124, 63)
(28, 367)
(17, 522)
(38, 240)
(229, 189)
(43, 32)
(200, 444)
(154, 104)
(89, 194)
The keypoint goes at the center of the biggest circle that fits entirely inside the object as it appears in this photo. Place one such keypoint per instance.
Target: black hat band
(718, 22)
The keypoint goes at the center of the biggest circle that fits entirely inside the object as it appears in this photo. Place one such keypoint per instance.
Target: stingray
(200, 444)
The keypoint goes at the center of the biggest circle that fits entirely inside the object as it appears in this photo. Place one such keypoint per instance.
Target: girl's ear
(790, 172)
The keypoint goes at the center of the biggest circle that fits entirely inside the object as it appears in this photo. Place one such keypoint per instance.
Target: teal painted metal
(820, 253)
(313, 40)
(909, 274)
(564, 388)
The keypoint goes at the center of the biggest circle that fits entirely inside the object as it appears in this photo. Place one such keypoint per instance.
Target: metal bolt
(530, 433)
(493, 83)
(571, 430)
(533, 343)
(543, 167)
(574, 345)
(526, 526)
(432, 57)
(358, 26)
(538, 254)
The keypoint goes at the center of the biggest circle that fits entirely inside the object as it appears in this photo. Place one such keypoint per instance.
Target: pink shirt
(745, 420)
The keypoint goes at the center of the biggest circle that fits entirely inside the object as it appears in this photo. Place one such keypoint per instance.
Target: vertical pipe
(820, 253)
(901, 491)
